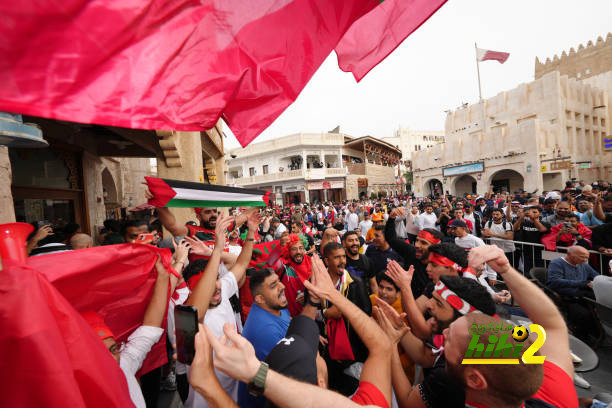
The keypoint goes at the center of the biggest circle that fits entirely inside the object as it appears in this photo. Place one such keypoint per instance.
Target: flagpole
(478, 71)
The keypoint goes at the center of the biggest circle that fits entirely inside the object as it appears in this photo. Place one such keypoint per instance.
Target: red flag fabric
(116, 281)
(166, 64)
(375, 35)
(488, 55)
(259, 260)
(49, 356)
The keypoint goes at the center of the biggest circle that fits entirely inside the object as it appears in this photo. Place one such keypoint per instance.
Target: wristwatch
(257, 385)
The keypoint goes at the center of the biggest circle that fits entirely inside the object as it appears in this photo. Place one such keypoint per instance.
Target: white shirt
(215, 319)
(400, 226)
(471, 218)
(481, 279)
(279, 230)
(499, 229)
(365, 226)
(425, 220)
(352, 221)
(136, 349)
(602, 286)
(234, 249)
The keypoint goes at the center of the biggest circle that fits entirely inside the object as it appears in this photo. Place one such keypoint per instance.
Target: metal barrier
(531, 254)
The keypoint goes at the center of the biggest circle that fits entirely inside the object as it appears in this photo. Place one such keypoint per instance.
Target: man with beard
(444, 259)
(211, 292)
(293, 271)
(344, 373)
(357, 264)
(514, 385)
(415, 255)
(558, 217)
(453, 296)
(266, 325)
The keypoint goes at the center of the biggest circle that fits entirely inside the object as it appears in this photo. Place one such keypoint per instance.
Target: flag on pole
(486, 55)
(166, 64)
(176, 193)
(374, 36)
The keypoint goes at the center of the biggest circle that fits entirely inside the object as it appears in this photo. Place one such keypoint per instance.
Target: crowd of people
(365, 302)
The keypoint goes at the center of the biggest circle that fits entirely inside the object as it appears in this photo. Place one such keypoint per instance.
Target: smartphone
(186, 327)
(567, 225)
(145, 237)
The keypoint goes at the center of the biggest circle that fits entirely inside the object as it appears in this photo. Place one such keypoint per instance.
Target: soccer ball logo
(520, 333)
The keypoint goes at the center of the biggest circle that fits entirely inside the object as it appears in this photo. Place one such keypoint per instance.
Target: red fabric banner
(50, 356)
(382, 30)
(166, 64)
(116, 281)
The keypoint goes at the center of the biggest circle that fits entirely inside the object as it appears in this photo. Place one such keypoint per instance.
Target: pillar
(189, 148)
(6, 196)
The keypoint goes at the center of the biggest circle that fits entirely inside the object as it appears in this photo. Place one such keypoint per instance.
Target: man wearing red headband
(414, 254)
(293, 271)
(452, 298)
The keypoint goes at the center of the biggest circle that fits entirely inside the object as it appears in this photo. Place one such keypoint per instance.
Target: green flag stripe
(202, 203)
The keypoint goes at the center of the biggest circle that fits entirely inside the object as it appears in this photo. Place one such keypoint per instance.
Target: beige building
(410, 141)
(536, 136)
(315, 167)
(89, 173)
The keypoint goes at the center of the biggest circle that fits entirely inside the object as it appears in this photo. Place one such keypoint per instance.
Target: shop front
(333, 190)
(294, 194)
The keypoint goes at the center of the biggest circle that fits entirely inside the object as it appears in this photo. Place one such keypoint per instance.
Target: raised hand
(395, 333)
(202, 373)
(198, 247)
(320, 283)
(181, 250)
(492, 255)
(401, 277)
(223, 223)
(253, 220)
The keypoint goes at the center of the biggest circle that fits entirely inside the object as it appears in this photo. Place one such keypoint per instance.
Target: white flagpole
(478, 71)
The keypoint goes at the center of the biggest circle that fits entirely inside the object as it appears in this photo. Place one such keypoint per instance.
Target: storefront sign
(465, 169)
(560, 165)
(362, 182)
(586, 165)
(325, 185)
(543, 168)
(294, 187)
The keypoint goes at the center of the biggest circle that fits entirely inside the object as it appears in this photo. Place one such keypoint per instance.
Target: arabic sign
(464, 169)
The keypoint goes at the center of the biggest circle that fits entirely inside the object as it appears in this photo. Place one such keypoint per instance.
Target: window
(265, 169)
(251, 171)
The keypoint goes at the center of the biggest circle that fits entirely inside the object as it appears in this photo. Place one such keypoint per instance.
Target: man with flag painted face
(413, 254)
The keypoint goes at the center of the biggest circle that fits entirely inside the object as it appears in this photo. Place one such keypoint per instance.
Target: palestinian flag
(176, 193)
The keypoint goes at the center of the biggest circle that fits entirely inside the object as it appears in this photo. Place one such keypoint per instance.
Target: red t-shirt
(205, 235)
(369, 394)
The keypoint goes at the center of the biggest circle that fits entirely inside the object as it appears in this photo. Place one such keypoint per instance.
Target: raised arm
(205, 288)
(242, 263)
(167, 219)
(414, 310)
(154, 315)
(377, 367)
(400, 246)
(540, 309)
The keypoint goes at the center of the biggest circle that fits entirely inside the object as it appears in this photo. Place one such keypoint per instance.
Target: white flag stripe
(480, 53)
(189, 194)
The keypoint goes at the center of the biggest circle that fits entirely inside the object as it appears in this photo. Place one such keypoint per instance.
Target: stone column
(186, 164)
(6, 196)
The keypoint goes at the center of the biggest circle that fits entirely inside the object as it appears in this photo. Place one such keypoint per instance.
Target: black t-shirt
(438, 389)
(379, 258)
(361, 268)
(530, 233)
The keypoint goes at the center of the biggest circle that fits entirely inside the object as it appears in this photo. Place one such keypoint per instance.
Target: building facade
(316, 167)
(90, 173)
(533, 137)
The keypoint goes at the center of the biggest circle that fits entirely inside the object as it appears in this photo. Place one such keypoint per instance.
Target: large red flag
(378, 33)
(49, 355)
(116, 281)
(166, 64)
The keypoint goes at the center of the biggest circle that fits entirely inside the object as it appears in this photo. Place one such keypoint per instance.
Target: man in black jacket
(354, 290)
(415, 255)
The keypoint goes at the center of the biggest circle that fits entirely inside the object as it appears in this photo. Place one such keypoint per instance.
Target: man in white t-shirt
(365, 225)
(500, 233)
(352, 221)
(427, 219)
(211, 293)
(458, 228)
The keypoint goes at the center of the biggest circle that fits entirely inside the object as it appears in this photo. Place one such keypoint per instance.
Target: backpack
(505, 223)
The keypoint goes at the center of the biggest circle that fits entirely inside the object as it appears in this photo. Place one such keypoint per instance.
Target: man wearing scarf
(293, 270)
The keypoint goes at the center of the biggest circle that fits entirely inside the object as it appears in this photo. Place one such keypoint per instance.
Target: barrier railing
(529, 254)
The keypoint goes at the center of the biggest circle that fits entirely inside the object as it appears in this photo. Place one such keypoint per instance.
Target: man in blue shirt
(572, 277)
(266, 324)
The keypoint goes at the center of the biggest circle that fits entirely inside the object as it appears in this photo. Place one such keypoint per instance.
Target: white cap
(554, 195)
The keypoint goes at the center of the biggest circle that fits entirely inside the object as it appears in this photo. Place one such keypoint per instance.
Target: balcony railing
(356, 168)
(307, 174)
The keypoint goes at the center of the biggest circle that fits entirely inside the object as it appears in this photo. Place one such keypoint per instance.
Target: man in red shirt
(514, 385)
(293, 270)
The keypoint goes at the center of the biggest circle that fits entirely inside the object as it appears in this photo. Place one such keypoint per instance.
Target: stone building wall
(7, 211)
(587, 61)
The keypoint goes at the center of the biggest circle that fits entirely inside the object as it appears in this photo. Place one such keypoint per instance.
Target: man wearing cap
(377, 219)
(413, 254)
(131, 354)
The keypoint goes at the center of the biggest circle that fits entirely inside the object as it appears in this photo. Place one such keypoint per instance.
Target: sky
(434, 69)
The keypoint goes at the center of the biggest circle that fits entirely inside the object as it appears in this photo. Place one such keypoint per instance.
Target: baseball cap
(457, 223)
(554, 195)
(377, 217)
(295, 355)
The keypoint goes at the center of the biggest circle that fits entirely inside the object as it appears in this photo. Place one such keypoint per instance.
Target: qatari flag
(485, 55)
